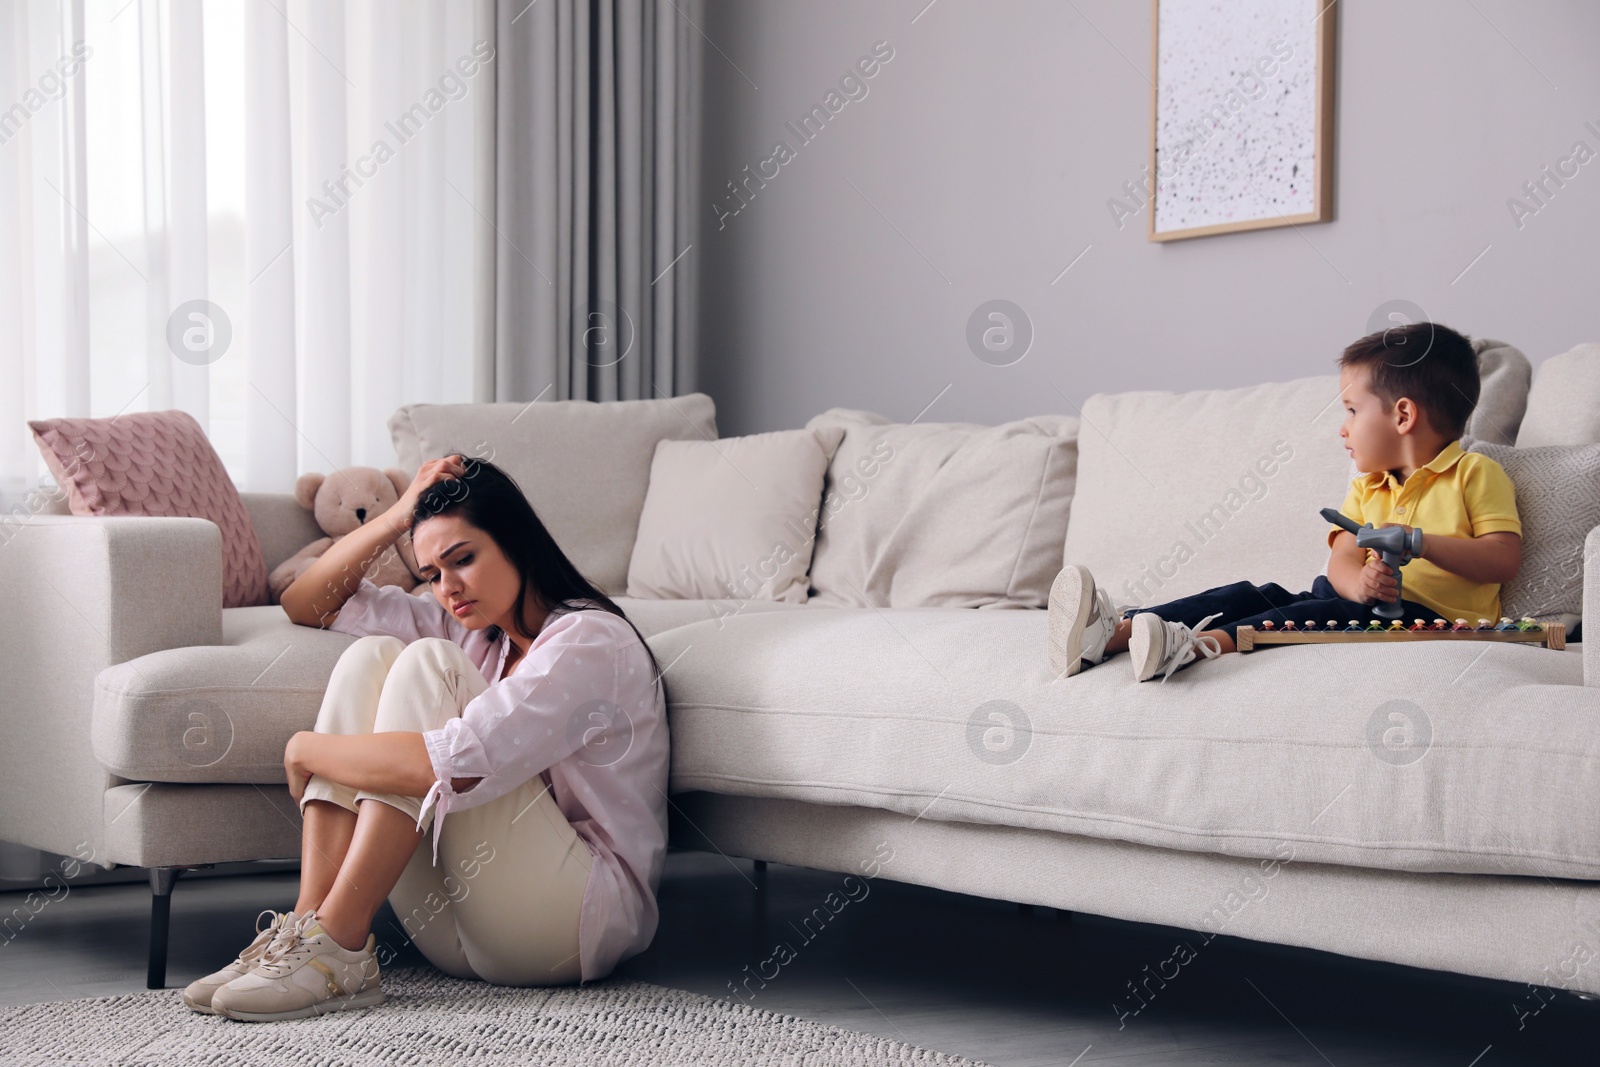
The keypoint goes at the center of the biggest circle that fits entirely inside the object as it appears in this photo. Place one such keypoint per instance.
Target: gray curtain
(588, 260)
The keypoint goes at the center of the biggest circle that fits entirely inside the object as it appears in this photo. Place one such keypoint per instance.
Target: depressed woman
(517, 712)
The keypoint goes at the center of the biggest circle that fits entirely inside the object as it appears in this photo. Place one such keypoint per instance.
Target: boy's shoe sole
(1154, 642)
(1147, 645)
(1070, 604)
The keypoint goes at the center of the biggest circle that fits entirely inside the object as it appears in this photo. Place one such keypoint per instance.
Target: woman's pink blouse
(583, 708)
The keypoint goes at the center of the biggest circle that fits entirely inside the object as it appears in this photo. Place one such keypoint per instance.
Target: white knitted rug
(431, 1018)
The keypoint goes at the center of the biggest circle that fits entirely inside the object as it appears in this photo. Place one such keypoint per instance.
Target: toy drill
(1394, 544)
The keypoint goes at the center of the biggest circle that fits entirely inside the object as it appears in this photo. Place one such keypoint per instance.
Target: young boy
(1407, 394)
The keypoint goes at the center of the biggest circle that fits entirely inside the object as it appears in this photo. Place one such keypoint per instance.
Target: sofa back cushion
(732, 518)
(1558, 503)
(1179, 492)
(1564, 400)
(943, 514)
(584, 465)
(1504, 376)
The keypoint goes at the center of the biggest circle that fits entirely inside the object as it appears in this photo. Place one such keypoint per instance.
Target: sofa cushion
(1558, 503)
(951, 515)
(223, 713)
(156, 463)
(1445, 756)
(653, 616)
(1180, 492)
(215, 713)
(585, 466)
(1504, 374)
(735, 517)
(1564, 400)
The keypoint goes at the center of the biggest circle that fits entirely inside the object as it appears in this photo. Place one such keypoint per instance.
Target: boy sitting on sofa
(1407, 393)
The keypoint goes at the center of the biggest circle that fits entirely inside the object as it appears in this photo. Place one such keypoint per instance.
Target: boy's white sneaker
(1081, 620)
(1158, 646)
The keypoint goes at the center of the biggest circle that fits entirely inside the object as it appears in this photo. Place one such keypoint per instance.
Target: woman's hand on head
(429, 474)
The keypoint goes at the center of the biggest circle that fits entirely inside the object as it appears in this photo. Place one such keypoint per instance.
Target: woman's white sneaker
(303, 972)
(1081, 620)
(197, 995)
(1157, 646)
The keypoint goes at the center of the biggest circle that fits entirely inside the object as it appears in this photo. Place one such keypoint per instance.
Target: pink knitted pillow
(156, 463)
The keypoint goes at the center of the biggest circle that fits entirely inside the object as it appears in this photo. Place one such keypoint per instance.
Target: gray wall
(984, 153)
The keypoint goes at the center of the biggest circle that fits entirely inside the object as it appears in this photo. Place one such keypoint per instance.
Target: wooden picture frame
(1231, 177)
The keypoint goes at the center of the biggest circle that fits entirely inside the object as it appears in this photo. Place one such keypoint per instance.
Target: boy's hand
(1378, 581)
(1402, 526)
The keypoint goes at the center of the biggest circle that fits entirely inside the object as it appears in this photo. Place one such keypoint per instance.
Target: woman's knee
(354, 684)
(428, 652)
(429, 681)
(374, 647)
(430, 658)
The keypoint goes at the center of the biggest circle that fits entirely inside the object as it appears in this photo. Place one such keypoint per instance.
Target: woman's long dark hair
(490, 499)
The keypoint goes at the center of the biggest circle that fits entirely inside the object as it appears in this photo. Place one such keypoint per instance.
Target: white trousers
(503, 903)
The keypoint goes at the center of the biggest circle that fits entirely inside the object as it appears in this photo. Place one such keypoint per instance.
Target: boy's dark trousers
(1248, 604)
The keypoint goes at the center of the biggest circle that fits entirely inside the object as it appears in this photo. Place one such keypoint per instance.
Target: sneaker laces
(253, 950)
(1184, 641)
(290, 939)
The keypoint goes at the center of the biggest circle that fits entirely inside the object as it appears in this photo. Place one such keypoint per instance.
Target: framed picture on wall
(1241, 116)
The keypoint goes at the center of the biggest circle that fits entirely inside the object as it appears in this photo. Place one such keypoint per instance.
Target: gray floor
(959, 974)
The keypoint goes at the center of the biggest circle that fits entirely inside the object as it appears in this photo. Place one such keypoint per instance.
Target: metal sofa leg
(161, 882)
(758, 909)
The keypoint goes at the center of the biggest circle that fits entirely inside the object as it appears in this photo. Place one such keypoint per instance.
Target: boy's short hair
(1430, 363)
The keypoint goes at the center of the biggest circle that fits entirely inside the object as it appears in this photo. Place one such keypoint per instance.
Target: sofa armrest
(1591, 608)
(84, 593)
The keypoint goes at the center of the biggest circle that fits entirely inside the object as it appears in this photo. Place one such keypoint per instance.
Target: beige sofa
(1262, 796)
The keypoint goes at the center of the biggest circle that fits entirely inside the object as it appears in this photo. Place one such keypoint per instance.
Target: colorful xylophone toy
(1523, 631)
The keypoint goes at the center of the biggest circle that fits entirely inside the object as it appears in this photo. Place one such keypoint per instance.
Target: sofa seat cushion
(223, 713)
(215, 713)
(1444, 756)
(652, 616)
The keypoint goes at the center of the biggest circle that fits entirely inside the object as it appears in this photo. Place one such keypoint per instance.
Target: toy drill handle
(1392, 560)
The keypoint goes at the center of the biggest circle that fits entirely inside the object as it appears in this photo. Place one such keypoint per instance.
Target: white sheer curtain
(43, 243)
(263, 212)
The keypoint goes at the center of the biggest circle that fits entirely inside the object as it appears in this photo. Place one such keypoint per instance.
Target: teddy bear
(341, 502)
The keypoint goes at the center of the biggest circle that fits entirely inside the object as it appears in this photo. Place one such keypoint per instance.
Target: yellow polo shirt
(1455, 494)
